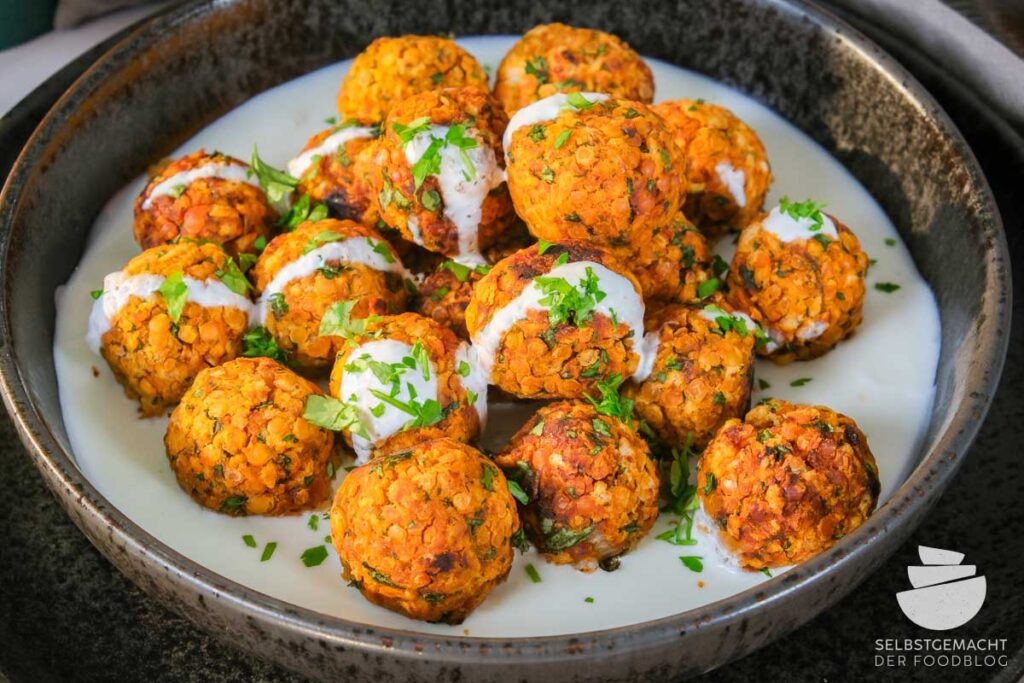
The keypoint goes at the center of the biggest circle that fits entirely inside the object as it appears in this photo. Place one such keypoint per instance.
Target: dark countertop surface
(67, 614)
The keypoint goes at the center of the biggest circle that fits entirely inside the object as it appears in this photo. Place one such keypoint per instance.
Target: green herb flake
(562, 138)
(532, 572)
(275, 182)
(800, 382)
(887, 287)
(517, 492)
(692, 562)
(332, 414)
(313, 557)
(259, 342)
(96, 294)
(268, 551)
(249, 540)
(174, 292)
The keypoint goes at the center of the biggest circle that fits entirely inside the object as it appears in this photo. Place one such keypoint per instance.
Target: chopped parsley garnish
(407, 132)
(519, 541)
(887, 287)
(275, 182)
(232, 276)
(380, 577)
(431, 200)
(767, 572)
(429, 164)
(735, 323)
(175, 293)
(259, 342)
(708, 287)
(718, 265)
(543, 246)
(562, 138)
(96, 294)
(532, 572)
(808, 209)
(568, 303)
(563, 538)
(419, 355)
(890, 241)
(278, 305)
(332, 414)
(537, 133)
(763, 384)
(517, 492)
(800, 382)
(463, 369)
(462, 272)
(538, 68)
(320, 239)
(233, 504)
(424, 414)
(488, 477)
(312, 557)
(268, 551)
(249, 540)
(612, 403)
(338, 321)
(709, 483)
(692, 562)
(682, 496)
(588, 600)
(260, 244)
(301, 211)
(578, 101)
(313, 522)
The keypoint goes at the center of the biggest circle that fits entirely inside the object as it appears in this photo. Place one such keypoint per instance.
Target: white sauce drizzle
(237, 172)
(475, 381)
(350, 250)
(812, 330)
(463, 198)
(119, 288)
(734, 180)
(621, 298)
(298, 166)
(355, 389)
(789, 229)
(543, 110)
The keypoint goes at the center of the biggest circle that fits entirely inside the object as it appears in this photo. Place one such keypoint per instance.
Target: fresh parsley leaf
(259, 342)
(517, 492)
(612, 403)
(174, 292)
(693, 563)
(332, 414)
(268, 551)
(275, 182)
(338, 321)
(232, 276)
(312, 557)
(532, 572)
(887, 287)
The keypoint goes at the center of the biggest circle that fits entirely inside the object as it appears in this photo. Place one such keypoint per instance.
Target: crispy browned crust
(567, 59)
(231, 213)
(342, 180)
(427, 531)
(461, 422)
(391, 69)
(394, 188)
(154, 359)
(700, 377)
(238, 442)
(708, 134)
(613, 181)
(786, 285)
(787, 482)
(592, 484)
(443, 297)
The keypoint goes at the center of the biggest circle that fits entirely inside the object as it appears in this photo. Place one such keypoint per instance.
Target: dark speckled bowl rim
(921, 489)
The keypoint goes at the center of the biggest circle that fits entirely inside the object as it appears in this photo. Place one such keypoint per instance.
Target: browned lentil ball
(293, 315)
(419, 212)
(342, 179)
(786, 483)
(535, 359)
(426, 532)
(459, 420)
(701, 375)
(391, 69)
(608, 174)
(672, 264)
(155, 358)
(807, 294)
(709, 135)
(238, 443)
(231, 213)
(592, 484)
(554, 58)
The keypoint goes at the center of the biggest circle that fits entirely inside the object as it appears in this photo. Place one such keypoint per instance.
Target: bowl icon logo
(945, 595)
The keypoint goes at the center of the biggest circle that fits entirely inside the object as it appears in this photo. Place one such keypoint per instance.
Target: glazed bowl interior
(181, 70)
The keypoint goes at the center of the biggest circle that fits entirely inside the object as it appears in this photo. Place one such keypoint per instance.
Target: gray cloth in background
(953, 42)
(71, 13)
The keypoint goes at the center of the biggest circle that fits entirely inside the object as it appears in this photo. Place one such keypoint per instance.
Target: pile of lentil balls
(547, 239)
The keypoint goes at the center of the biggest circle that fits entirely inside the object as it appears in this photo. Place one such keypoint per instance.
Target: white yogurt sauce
(734, 181)
(349, 250)
(882, 377)
(329, 145)
(789, 229)
(541, 111)
(356, 386)
(475, 381)
(118, 288)
(621, 300)
(463, 196)
(216, 169)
